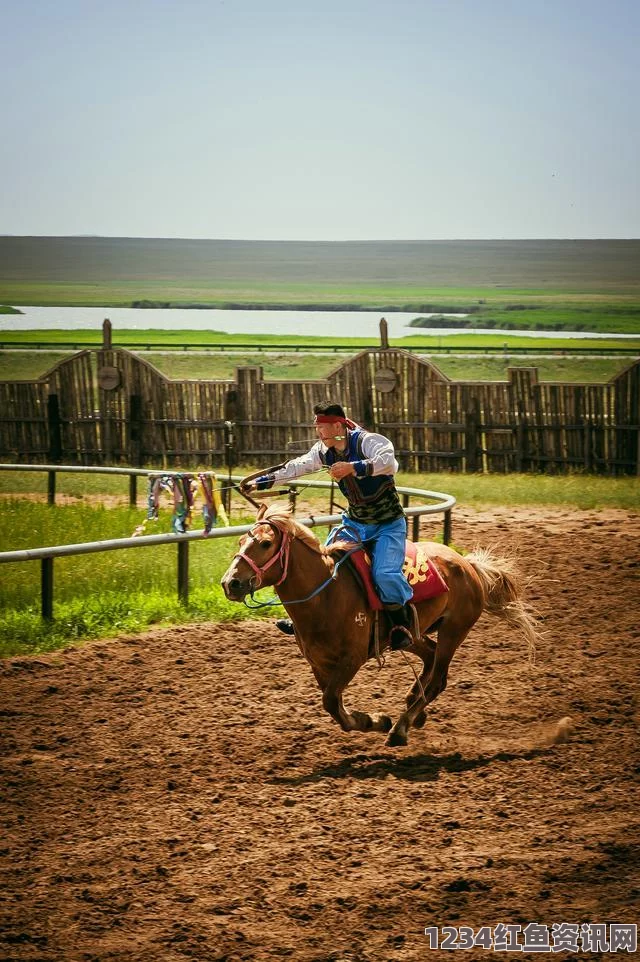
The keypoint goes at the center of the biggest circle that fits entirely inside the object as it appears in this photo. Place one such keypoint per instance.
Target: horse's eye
(265, 544)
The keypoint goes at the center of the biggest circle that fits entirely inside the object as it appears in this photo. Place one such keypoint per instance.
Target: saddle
(423, 577)
(419, 570)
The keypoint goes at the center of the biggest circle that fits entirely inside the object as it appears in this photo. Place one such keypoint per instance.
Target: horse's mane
(280, 516)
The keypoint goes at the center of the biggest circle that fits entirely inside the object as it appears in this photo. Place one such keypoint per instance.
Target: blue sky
(321, 120)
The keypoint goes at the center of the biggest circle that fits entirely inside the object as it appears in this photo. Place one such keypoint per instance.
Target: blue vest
(373, 499)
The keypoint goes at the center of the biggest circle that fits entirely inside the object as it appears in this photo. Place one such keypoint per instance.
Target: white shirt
(376, 449)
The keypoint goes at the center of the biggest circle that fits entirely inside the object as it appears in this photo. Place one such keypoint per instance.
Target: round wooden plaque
(109, 378)
(385, 380)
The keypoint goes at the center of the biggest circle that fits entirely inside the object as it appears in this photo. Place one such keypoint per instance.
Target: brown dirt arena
(181, 795)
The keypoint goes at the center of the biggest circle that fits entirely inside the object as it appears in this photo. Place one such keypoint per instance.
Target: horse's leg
(426, 650)
(349, 720)
(450, 637)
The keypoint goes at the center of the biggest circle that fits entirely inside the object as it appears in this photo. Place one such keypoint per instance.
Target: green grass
(505, 341)
(29, 365)
(179, 340)
(101, 491)
(89, 487)
(112, 613)
(100, 596)
(578, 491)
(580, 370)
(604, 318)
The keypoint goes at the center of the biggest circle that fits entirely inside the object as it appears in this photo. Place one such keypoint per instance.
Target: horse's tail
(503, 589)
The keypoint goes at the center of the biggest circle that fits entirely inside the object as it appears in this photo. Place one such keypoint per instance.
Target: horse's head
(261, 560)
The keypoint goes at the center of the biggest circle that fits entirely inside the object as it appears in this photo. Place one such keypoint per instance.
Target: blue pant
(386, 547)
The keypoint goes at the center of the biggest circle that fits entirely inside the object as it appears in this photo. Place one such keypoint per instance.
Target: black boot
(401, 635)
(286, 626)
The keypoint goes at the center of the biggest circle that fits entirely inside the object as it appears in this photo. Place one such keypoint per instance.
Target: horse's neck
(307, 571)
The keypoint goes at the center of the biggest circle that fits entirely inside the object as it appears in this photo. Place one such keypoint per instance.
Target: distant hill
(607, 266)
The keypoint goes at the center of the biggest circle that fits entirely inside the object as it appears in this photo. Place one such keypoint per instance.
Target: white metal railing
(444, 504)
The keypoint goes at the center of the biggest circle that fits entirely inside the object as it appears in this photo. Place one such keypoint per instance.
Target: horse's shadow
(414, 768)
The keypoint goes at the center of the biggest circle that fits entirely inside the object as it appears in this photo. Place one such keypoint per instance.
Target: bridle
(282, 555)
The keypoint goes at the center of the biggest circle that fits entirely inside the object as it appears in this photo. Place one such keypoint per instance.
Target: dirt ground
(181, 795)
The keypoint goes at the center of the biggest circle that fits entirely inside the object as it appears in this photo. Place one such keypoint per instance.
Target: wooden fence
(109, 406)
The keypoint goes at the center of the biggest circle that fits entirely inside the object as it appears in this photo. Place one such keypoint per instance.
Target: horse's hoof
(396, 739)
(383, 723)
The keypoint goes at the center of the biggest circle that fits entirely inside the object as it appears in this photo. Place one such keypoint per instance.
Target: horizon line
(292, 240)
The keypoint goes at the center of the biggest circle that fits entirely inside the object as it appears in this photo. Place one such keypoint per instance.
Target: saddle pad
(419, 570)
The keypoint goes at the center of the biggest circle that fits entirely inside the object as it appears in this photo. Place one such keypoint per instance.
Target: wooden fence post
(55, 429)
(249, 396)
(471, 434)
(521, 437)
(135, 430)
(587, 446)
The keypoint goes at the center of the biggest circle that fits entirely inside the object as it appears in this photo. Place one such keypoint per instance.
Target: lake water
(322, 323)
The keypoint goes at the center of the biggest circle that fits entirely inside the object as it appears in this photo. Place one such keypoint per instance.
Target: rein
(283, 555)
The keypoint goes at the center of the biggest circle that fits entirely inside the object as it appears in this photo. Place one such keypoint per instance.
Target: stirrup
(400, 638)
(286, 626)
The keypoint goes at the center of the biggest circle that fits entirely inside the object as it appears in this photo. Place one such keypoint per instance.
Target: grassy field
(186, 340)
(28, 365)
(476, 490)
(591, 285)
(130, 590)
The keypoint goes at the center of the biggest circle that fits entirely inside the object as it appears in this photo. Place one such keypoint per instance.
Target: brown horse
(334, 627)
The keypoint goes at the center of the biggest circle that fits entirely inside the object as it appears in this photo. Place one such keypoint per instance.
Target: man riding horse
(364, 465)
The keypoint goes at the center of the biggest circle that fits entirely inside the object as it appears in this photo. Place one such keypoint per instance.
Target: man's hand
(341, 469)
(263, 483)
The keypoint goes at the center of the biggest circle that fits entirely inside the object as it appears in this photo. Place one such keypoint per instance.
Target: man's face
(333, 434)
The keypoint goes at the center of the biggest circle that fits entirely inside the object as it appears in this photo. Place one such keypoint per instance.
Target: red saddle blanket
(418, 569)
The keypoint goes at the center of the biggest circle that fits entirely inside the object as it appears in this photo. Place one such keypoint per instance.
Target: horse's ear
(261, 511)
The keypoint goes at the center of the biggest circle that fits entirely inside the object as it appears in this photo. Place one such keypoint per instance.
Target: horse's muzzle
(234, 589)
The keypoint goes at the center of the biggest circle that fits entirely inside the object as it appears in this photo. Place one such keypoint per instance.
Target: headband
(329, 419)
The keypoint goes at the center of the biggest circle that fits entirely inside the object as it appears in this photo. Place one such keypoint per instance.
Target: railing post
(446, 530)
(415, 527)
(133, 490)
(46, 583)
(229, 442)
(183, 571)
(51, 487)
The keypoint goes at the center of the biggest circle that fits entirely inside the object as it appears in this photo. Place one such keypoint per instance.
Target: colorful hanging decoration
(182, 490)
